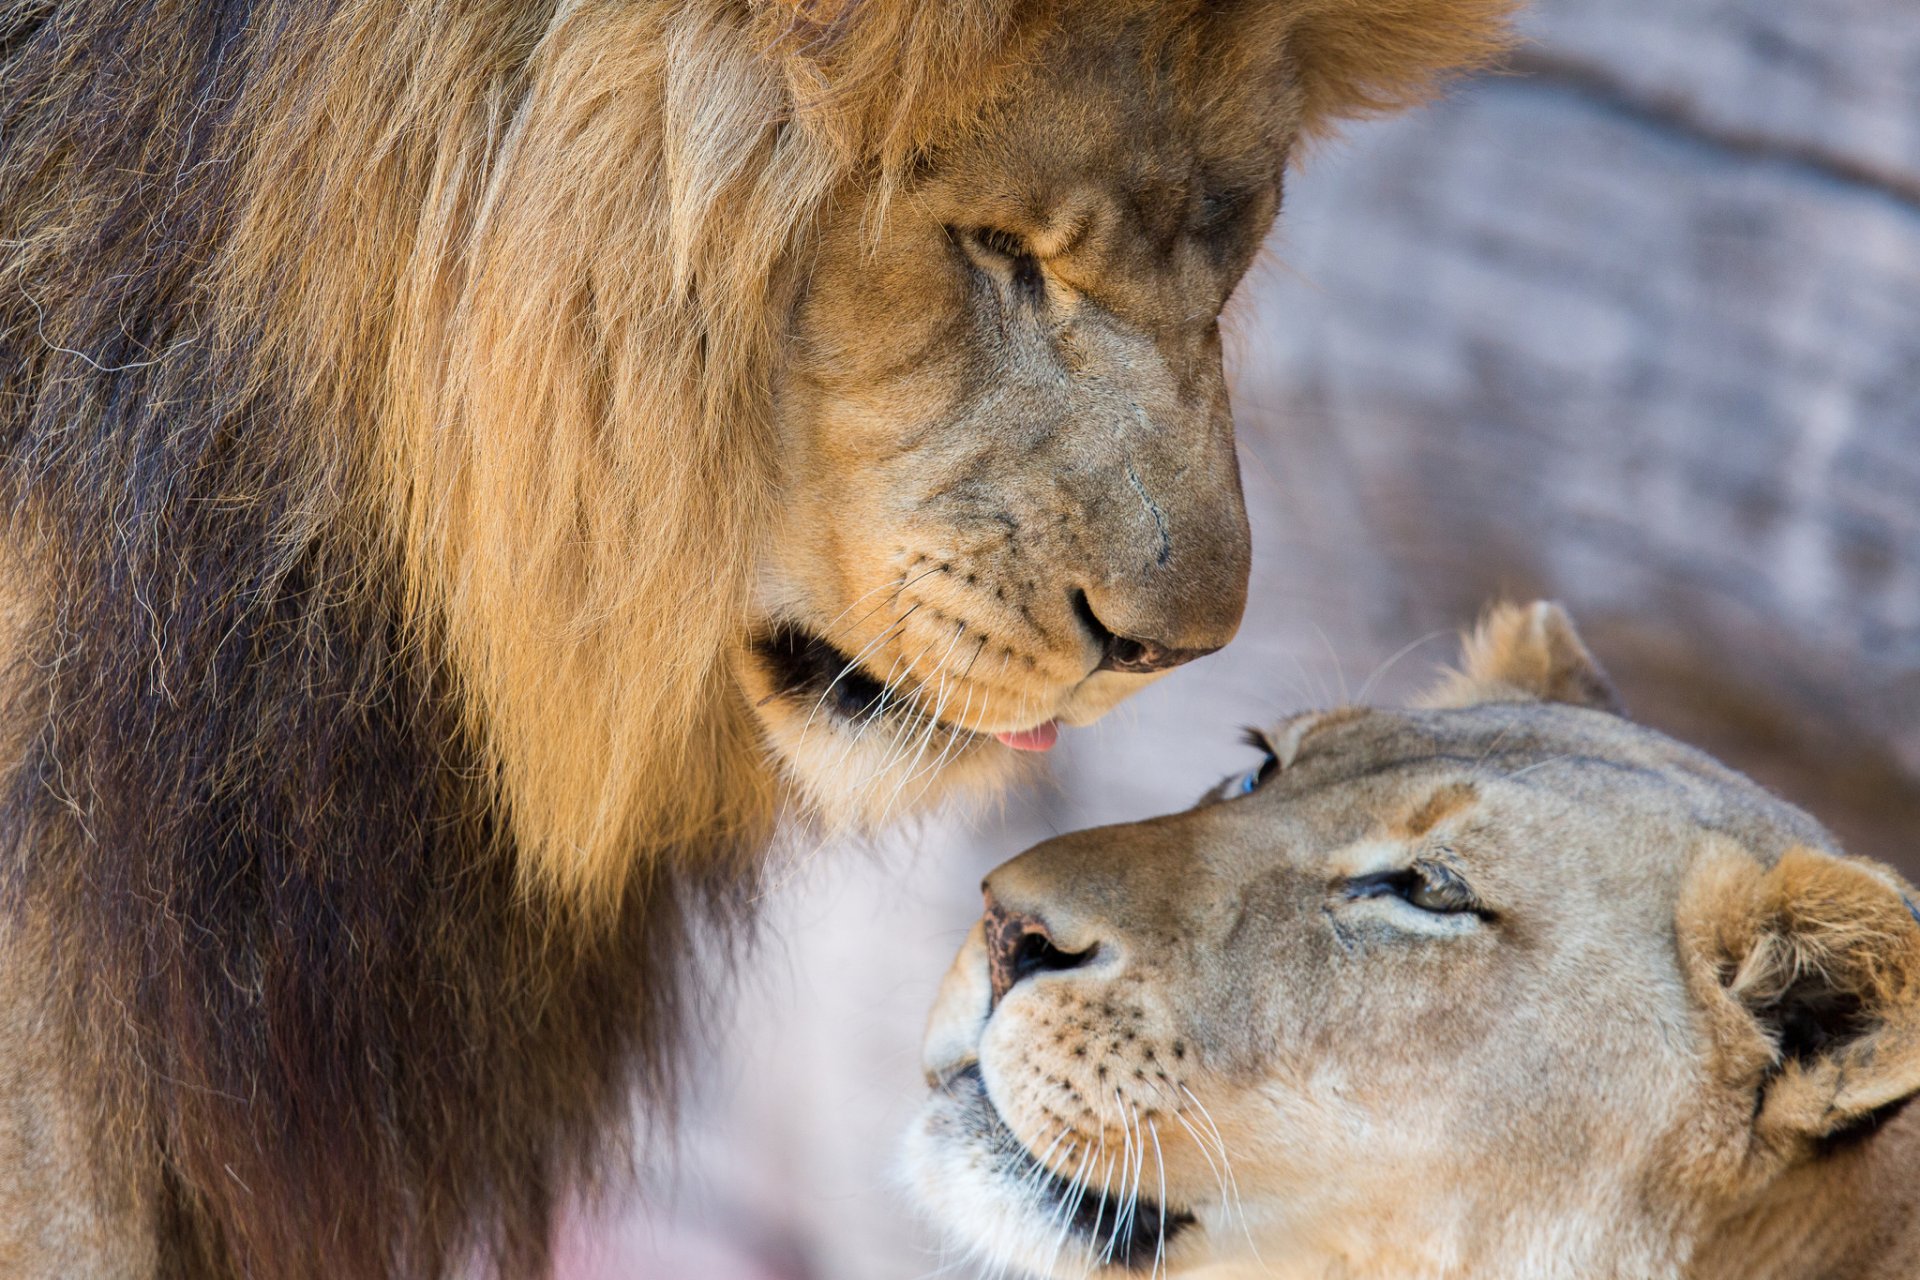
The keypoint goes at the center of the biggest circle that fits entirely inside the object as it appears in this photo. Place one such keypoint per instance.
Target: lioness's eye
(1251, 780)
(1426, 885)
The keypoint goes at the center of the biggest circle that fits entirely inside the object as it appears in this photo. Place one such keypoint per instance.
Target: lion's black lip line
(804, 664)
(1135, 1243)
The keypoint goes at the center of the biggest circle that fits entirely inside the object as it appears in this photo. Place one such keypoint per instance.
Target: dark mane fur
(271, 862)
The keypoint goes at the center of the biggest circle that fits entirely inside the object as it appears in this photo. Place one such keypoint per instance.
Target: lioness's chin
(989, 1193)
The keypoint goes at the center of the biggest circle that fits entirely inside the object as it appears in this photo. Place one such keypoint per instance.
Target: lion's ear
(1809, 973)
(1527, 653)
(1365, 57)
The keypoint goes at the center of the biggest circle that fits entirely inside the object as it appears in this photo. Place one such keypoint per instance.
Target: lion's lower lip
(806, 666)
(803, 664)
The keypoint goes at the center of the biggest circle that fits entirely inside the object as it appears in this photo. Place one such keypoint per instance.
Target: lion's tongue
(1039, 738)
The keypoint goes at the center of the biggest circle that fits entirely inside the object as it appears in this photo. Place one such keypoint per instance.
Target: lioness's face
(1010, 494)
(1405, 1001)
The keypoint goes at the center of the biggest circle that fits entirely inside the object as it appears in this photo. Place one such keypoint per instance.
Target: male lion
(469, 463)
(1501, 987)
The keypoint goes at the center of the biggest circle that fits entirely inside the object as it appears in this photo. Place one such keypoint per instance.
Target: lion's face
(1010, 495)
(1496, 989)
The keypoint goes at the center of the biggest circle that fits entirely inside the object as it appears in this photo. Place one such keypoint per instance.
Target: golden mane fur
(387, 432)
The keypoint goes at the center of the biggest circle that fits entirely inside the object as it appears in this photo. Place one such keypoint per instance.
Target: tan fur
(1505, 986)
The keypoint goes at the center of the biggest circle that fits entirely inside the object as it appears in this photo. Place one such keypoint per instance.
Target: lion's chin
(860, 776)
(856, 753)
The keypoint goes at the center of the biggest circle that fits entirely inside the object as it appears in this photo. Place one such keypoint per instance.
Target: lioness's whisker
(1206, 1153)
(1123, 1201)
(1070, 1204)
(1380, 672)
(1538, 764)
(1239, 1204)
(1139, 1175)
(1160, 1163)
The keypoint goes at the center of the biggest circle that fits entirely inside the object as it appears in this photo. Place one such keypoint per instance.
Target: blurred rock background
(1635, 325)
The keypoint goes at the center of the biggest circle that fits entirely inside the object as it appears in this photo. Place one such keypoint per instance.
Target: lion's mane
(383, 398)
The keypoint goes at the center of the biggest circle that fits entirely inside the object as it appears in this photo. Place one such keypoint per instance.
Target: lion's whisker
(1380, 672)
(853, 663)
(954, 741)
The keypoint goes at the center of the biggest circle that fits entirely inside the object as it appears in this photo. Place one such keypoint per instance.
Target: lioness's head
(1008, 492)
(1503, 985)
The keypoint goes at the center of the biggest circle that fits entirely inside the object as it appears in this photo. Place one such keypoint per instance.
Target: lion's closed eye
(1007, 256)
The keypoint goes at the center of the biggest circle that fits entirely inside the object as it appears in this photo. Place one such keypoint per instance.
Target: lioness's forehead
(1396, 766)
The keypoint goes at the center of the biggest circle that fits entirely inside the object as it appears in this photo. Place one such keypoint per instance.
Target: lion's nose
(1020, 945)
(1140, 657)
(1129, 653)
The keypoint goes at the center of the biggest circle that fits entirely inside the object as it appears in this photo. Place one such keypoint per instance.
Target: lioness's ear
(1363, 57)
(1809, 972)
(1527, 653)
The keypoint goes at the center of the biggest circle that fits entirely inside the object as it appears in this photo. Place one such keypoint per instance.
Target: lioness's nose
(1020, 945)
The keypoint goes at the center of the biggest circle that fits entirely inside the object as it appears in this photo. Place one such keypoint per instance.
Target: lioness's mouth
(1123, 1229)
(805, 667)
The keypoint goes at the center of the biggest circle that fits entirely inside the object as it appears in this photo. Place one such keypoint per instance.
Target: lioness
(1500, 986)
